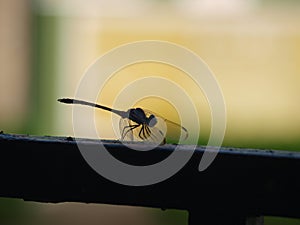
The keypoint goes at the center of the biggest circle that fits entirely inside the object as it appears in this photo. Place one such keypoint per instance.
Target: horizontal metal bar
(243, 182)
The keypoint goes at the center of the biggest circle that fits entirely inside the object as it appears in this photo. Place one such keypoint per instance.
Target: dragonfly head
(151, 121)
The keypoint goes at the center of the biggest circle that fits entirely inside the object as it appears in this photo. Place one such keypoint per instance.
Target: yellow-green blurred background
(252, 47)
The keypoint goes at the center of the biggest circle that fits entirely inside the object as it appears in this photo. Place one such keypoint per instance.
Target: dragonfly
(137, 124)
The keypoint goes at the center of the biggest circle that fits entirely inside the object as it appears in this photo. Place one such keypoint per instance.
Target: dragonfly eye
(152, 121)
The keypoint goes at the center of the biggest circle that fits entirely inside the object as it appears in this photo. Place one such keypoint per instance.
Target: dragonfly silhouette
(136, 123)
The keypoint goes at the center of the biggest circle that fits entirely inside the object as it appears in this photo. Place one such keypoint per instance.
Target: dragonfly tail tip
(65, 100)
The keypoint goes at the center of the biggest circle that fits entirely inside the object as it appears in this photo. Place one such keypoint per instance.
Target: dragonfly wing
(174, 131)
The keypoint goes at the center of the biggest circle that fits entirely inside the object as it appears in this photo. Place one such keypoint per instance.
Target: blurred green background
(252, 47)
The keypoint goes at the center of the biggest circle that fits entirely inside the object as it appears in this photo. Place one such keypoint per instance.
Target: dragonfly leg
(148, 131)
(128, 129)
(142, 130)
(142, 133)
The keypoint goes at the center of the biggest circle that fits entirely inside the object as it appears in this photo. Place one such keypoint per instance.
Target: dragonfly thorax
(139, 116)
